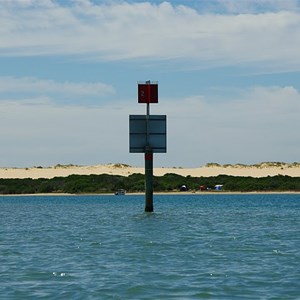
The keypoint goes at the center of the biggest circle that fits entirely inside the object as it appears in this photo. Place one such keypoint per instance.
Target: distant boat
(120, 192)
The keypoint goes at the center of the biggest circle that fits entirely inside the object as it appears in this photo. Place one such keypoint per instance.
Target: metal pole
(148, 167)
(149, 181)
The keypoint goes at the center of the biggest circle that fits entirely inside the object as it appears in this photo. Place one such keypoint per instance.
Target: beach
(257, 171)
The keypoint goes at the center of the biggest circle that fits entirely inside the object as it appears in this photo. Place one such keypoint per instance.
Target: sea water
(192, 247)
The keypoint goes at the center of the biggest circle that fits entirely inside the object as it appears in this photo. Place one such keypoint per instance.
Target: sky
(228, 75)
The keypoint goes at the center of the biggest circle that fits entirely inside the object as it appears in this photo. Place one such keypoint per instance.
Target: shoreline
(155, 194)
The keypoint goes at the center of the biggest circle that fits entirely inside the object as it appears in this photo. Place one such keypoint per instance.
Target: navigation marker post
(147, 134)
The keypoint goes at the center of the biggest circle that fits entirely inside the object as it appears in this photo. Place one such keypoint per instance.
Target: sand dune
(259, 170)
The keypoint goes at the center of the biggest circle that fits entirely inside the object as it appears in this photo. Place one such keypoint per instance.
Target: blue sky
(228, 73)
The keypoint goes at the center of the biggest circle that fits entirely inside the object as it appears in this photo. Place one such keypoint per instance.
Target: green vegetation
(77, 184)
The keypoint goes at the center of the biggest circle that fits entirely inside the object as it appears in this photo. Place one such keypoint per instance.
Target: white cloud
(45, 134)
(254, 6)
(142, 30)
(258, 124)
(32, 85)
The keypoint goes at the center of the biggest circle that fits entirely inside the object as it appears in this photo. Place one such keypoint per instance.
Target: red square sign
(147, 93)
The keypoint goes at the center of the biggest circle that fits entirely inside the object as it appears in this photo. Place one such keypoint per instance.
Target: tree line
(77, 184)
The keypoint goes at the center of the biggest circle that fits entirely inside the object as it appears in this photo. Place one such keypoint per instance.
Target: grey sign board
(148, 131)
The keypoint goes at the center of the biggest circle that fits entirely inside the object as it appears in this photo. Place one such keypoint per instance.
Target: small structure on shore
(183, 188)
(218, 187)
(120, 192)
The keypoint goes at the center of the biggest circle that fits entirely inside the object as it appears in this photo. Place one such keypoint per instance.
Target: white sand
(262, 170)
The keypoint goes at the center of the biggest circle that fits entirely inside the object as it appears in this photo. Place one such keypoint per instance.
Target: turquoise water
(191, 247)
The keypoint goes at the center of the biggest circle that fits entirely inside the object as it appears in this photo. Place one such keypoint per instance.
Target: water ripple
(192, 247)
